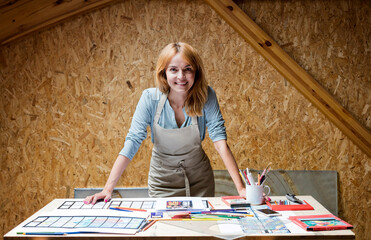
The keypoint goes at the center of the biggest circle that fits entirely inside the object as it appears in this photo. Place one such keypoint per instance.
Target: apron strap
(186, 181)
(160, 106)
(194, 121)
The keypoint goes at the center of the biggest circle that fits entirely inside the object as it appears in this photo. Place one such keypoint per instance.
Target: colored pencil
(130, 209)
(149, 225)
(210, 204)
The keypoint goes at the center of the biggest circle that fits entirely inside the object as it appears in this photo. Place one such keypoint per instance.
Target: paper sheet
(85, 220)
(79, 204)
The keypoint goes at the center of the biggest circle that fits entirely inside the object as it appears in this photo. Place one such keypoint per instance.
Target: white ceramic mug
(254, 193)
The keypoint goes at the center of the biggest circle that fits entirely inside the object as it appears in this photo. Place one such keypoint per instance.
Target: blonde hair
(197, 95)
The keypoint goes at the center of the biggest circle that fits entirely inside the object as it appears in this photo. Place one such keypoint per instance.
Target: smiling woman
(178, 112)
(180, 62)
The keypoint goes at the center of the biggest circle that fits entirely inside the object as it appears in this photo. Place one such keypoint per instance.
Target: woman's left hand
(242, 192)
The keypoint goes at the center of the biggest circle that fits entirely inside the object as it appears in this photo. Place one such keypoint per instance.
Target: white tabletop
(204, 229)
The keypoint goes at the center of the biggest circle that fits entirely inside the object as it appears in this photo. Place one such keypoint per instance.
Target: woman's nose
(181, 74)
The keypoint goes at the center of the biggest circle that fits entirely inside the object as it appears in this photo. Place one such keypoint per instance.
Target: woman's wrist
(108, 189)
(240, 188)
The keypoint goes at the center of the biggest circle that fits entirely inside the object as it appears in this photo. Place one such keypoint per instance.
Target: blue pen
(118, 209)
(223, 210)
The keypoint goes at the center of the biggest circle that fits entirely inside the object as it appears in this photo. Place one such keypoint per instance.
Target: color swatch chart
(86, 222)
(263, 225)
(274, 225)
(113, 203)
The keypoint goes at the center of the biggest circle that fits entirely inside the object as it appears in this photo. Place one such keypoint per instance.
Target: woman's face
(180, 75)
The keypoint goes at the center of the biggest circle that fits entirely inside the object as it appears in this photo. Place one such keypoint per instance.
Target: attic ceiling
(20, 18)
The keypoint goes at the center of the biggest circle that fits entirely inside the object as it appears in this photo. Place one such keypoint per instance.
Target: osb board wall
(68, 94)
(330, 39)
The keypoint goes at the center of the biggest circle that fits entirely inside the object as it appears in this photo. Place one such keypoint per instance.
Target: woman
(178, 111)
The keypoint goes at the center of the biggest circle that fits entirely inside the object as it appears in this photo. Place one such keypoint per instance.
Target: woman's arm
(118, 168)
(225, 153)
(137, 133)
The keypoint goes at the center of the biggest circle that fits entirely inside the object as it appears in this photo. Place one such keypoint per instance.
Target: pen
(210, 204)
(263, 180)
(259, 179)
(213, 216)
(196, 219)
(243, 178)
(219, 212)
(263, 172)
(222, 210)
(114, 208)
(130, 209)
(224, 216)
(233, 214)
(149, 225)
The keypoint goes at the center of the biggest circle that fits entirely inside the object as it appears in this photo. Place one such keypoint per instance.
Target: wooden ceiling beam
(295, 74)
(19, 18)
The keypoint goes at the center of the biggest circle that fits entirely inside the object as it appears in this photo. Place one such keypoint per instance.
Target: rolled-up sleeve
(214, 118)
(138, 129)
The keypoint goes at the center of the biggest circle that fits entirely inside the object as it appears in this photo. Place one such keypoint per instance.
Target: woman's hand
(106, 195)
(118, 168)
(242, 192)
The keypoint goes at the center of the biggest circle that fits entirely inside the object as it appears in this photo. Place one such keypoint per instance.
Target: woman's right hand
(118, 168)
(105, 195)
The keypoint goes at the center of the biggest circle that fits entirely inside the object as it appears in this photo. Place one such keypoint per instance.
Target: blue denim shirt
(145, 112)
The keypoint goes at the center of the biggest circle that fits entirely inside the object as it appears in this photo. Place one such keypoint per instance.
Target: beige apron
(179, 165)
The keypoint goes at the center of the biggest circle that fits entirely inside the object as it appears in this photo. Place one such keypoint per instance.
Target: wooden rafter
(297, 76)
(19, 18)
